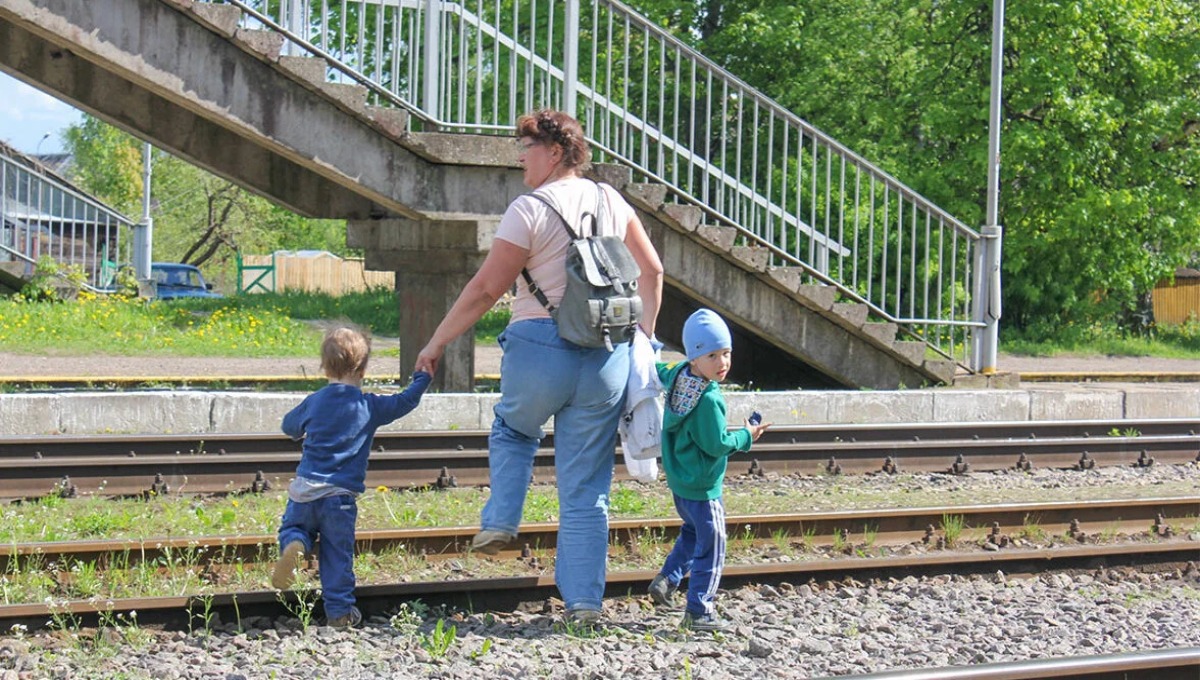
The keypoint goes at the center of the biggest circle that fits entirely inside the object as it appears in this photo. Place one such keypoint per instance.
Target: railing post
(571, 58)
(433, 51)
(987, 305)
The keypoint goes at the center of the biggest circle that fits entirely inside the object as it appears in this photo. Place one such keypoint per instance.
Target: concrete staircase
(185, 76)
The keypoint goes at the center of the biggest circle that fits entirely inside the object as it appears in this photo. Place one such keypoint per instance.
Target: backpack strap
(534, 289)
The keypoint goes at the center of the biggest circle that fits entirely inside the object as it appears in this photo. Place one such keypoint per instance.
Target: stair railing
(44, 217)
(651, 102)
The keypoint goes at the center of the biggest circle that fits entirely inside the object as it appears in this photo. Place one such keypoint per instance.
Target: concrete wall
(223, 412)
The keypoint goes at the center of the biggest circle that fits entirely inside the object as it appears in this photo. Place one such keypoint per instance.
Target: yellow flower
(381, 489)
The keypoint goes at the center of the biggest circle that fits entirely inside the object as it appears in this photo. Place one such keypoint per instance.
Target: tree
(1100, 146)
(199, 218)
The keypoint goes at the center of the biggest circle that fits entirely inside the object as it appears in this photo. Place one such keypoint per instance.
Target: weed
(439, 641)
(1032, 530)
(870, 534)
(952, 528)
(305, 595)
(782, 539)
(410, 615)
(483, 649)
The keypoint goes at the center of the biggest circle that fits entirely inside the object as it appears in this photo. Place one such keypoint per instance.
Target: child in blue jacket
(695, 447)
(337, 423)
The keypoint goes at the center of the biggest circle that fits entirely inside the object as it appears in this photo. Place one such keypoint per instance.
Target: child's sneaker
(662, 591)
(289, 561)
(490, 541)
(351, 619)
(702, 622)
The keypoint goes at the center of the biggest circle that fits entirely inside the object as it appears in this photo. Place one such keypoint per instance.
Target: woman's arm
(500, 268)
(651, 280)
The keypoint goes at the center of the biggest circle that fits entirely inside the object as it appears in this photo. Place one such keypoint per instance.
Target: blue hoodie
(696, 444)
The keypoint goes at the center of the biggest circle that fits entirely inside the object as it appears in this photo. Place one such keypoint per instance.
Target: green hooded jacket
(696, 443)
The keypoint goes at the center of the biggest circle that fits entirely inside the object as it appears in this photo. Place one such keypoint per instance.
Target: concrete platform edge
(187, 412)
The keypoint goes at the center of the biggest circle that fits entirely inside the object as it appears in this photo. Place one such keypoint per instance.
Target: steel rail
(995, 524)
(118, 465)
(498, 593)
(1179, 663)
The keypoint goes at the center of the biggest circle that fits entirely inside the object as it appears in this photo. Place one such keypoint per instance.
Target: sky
(27, 114)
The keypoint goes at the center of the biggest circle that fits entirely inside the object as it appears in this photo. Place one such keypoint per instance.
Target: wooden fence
(314, 272)
(1176, 303)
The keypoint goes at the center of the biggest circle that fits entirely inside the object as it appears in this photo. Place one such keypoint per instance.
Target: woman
(542, 375)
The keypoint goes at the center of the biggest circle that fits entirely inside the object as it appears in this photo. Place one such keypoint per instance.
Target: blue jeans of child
(332, 519)
(699, 549)
(542, 375)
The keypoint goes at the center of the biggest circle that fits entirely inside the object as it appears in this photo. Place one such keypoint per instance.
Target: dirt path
(487, 361)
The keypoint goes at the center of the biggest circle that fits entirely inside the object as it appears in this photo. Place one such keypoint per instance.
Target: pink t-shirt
(529, 223)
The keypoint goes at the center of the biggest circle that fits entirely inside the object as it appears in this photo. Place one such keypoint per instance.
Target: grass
(1166, 341)
(266, 325)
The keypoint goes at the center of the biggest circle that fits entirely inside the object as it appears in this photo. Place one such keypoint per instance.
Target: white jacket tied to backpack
(640, 426)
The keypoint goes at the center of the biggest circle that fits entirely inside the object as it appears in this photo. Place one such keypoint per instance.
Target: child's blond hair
(345, 351)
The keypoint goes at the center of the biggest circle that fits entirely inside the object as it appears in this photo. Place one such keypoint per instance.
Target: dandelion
(381, 489)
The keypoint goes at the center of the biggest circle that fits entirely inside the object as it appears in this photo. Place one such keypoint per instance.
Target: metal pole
(571, 58)
(143, 232)
(992, 232)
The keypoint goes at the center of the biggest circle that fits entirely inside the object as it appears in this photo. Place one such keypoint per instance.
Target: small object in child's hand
(755, 418)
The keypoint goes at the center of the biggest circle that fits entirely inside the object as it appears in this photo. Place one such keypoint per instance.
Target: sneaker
(289, 561)
(662, 591)
(702, 622)
(583, 617)
(490, 541)
(351, 619)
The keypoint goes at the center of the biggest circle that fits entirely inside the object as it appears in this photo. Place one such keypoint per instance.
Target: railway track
(128, 465)
(864, 544)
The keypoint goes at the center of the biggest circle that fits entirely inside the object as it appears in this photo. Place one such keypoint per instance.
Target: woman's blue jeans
(542, 375)
(332, 519)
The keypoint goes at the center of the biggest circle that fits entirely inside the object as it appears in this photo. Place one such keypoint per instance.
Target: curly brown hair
(549, 126)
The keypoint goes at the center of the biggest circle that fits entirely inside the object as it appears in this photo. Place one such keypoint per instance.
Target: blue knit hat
(705, 331)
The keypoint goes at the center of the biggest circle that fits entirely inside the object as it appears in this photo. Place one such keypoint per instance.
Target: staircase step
(307, 69)
(884, 332)
(353, 97)
(613, 174)
(391, 121)
(912, 350)
(267, 43)
(223, 18)
(851, 315)
(944, 369)
(820, 297)
(688, 216)
(755, 256)
(788, 278)
(648, 196)
(722, 237)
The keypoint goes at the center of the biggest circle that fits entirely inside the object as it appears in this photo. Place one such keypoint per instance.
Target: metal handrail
(783, 183)
(43, 216)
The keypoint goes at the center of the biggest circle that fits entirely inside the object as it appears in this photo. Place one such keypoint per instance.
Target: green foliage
(1100, 160)
(439, 641)
(53, 281)
(199, 218)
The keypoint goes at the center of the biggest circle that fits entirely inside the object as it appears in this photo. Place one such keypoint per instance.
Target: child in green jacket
(695, 447)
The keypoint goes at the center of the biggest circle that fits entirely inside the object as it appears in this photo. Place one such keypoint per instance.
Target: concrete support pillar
(433, 261)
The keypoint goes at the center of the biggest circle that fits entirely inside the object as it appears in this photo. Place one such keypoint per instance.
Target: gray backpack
(601, 306)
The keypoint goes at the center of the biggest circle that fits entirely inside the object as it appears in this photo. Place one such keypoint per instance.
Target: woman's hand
(429, 358)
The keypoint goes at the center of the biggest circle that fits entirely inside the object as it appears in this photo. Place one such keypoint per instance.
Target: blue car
(180, 281)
